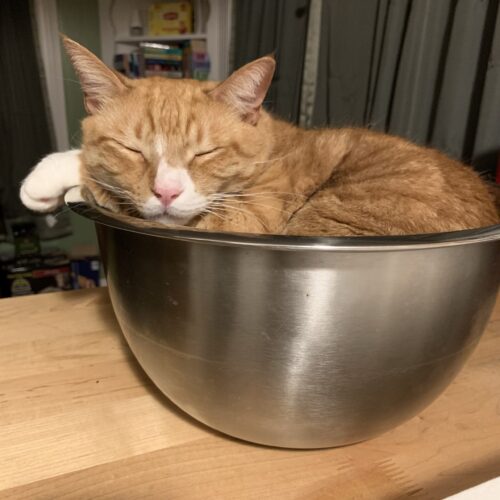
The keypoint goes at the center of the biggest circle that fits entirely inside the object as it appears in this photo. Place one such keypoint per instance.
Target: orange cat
(207, 155)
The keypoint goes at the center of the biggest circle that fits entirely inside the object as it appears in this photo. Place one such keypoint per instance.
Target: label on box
(170, 18)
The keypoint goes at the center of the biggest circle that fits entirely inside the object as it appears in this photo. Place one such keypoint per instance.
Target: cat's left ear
(99, 83)
(247, 87)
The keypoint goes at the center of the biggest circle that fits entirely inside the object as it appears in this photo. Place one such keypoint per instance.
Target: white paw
(73, 195)
(44, 188)
(37, 199)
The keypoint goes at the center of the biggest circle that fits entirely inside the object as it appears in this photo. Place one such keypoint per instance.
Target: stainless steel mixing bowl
(299, 342)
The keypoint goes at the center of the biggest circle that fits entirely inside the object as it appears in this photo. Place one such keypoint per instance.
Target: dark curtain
(280, 26)
(428, 70)
(24, 127)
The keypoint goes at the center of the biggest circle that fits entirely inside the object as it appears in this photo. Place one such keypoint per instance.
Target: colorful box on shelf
(170, 18)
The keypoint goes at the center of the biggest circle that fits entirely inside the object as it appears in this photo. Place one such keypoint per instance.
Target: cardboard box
(35, 275)
(170, 18)
(85, 273)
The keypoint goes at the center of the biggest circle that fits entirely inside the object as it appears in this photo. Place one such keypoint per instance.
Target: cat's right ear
(246, 88)
(99, 83)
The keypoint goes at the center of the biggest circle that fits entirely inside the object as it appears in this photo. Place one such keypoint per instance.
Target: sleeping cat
(207, 155)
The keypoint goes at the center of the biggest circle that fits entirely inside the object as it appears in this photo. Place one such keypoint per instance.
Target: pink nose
(167, 194)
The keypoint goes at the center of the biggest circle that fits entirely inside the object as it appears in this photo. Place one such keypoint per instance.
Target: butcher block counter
(79, 419)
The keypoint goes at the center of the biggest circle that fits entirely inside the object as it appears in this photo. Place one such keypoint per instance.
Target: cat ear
(247, 87)
(99, 83)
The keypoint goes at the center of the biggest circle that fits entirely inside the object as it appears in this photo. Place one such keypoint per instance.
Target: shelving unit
(115, 19)
(160, 39)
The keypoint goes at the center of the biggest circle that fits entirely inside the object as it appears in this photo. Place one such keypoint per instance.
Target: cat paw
(44, 188)
(73, 195)
(39, 198)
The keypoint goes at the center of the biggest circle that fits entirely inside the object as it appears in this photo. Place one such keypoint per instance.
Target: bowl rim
(286, 242)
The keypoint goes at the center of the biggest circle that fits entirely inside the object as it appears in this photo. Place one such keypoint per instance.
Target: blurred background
(428, 70)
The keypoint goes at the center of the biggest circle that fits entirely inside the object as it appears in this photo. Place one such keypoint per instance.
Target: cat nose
(167, 194)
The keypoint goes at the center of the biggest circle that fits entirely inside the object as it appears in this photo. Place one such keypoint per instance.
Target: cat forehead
(160, 100)
(179, 111)
(152, 106)
(158, 88)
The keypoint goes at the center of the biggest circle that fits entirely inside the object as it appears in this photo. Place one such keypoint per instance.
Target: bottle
(136, 24)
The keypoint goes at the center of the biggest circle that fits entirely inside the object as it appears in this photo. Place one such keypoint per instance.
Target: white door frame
(50, 51)
(219, 38)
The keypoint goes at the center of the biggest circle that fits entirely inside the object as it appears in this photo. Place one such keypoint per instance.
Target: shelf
(161, 38)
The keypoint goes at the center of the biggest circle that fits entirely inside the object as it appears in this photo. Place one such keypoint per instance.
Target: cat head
(166, 149)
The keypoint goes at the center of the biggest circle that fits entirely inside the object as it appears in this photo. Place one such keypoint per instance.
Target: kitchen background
(428, 70)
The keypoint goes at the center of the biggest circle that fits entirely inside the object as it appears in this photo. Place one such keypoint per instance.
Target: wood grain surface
(79, 419)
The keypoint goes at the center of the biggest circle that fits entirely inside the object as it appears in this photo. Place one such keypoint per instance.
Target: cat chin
(171, 216)
(168, 220)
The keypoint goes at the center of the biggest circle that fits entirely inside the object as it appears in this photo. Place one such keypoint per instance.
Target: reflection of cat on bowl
(206, 155)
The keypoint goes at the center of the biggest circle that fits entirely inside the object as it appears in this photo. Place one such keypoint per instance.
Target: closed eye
(204, 153)
(134, 150)
(129, 148)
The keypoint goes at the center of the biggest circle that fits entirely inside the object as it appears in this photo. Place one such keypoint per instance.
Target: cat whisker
(212, 212)
(72, 81)
(246, 202)
(228, 208)
(270, 193)
(262, 198)
(263, 194)
(115, 190)
(243, 199)
(66, 210)
(76, 137)
(279, 210)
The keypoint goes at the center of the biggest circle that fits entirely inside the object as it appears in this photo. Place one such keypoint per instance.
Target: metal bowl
(299, 342)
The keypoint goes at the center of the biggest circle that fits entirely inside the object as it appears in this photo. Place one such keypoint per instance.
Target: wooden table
(80, 420)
